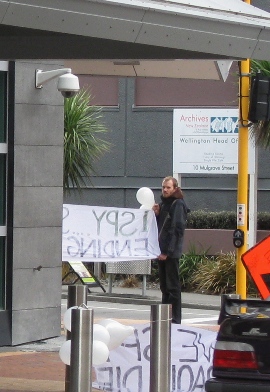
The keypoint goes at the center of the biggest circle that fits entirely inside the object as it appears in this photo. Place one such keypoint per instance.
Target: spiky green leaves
(82, 143)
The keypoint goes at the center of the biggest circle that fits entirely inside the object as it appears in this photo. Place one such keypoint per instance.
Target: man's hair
(170, 178)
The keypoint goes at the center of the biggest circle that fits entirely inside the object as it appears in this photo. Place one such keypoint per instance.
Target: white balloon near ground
(145, 196)
(118, 333)
(67, 317)
(100, 353)
(64, 352)
(101, 333)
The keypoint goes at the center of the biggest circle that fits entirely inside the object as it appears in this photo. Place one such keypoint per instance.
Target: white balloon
(105, 322)
(100, 353)
(118, 333)
(64, 352)
(67, 317)
(145, 196)
(142, 207)
(100, 333)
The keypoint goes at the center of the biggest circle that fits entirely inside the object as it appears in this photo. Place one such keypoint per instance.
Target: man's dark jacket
(171, 223)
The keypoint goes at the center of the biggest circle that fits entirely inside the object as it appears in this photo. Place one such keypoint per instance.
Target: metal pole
(81, 350)
(77, 295)
(160, 348)
(242, 188)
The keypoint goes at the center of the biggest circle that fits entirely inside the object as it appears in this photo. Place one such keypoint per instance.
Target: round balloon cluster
(145, 197)
(107, 335)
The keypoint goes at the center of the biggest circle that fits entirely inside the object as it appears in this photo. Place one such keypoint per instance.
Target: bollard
(160, 348)
(81, 350)
(77, 295)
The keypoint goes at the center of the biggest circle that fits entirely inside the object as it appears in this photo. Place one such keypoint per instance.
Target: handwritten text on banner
(128, 367)
(108, 234)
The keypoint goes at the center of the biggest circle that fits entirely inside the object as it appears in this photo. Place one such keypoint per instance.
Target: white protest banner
(128, 367)
(108, 234)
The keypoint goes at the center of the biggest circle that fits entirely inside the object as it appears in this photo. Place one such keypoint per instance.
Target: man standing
(171, 216)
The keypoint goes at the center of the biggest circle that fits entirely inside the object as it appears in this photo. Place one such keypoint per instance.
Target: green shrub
(263, 221)
(217, 275)
(202, 219)
(188, 264)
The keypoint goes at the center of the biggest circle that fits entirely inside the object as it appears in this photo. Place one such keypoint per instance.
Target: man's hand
(162, 257)
(156, 209)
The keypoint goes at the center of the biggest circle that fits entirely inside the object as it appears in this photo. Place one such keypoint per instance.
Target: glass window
(2, 272)
(3, 99)
(2, 189)
(104, 89)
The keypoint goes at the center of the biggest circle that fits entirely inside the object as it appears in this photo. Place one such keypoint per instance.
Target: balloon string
(157, 321)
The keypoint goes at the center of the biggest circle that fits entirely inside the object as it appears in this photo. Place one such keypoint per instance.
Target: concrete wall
(212, 242)
(37, 208)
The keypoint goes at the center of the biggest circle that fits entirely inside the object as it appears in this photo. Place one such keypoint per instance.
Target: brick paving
(32, 372)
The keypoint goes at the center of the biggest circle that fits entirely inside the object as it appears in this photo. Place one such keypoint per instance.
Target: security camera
(68, 85)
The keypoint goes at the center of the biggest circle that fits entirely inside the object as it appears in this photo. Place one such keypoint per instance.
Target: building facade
(139, 115)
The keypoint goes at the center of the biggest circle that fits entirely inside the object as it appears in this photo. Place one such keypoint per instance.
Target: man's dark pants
(170, 286)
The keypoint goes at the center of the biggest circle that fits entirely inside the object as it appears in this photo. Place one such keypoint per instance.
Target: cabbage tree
(83, 144)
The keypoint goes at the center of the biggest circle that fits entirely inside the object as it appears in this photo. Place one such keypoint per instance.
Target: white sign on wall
(205, 141)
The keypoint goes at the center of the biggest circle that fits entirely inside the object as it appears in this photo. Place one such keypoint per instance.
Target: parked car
(241, 360)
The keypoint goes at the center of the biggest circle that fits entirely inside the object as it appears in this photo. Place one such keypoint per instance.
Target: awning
(215, 28)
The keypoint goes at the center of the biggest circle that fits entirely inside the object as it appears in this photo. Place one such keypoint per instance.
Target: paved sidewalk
(153, 296)
(36, 367)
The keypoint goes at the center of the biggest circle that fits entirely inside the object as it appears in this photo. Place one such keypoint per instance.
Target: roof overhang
(218, 29)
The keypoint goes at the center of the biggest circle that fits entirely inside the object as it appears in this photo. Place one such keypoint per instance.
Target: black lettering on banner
(72, 250)
(107, 251)
(200, 379)
(107, 386)
(65, 215)
(188, 377)
(118, 378)
(146, 351)
(187, 369)
(194, 351)
(137, 344)
(127, 223)
(99, 248)
(98, 220)
(144, 249)
(127, 245)
(113, 222)
(209, 372)
(126, 375)
(207, 355)
(145, 219)
(173, 377)
(83, 251)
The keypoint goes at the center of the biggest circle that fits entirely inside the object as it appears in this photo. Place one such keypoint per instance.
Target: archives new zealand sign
(205, 141)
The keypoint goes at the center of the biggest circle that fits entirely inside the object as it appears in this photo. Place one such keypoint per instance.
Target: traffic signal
(238, 238)
(259, 102)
